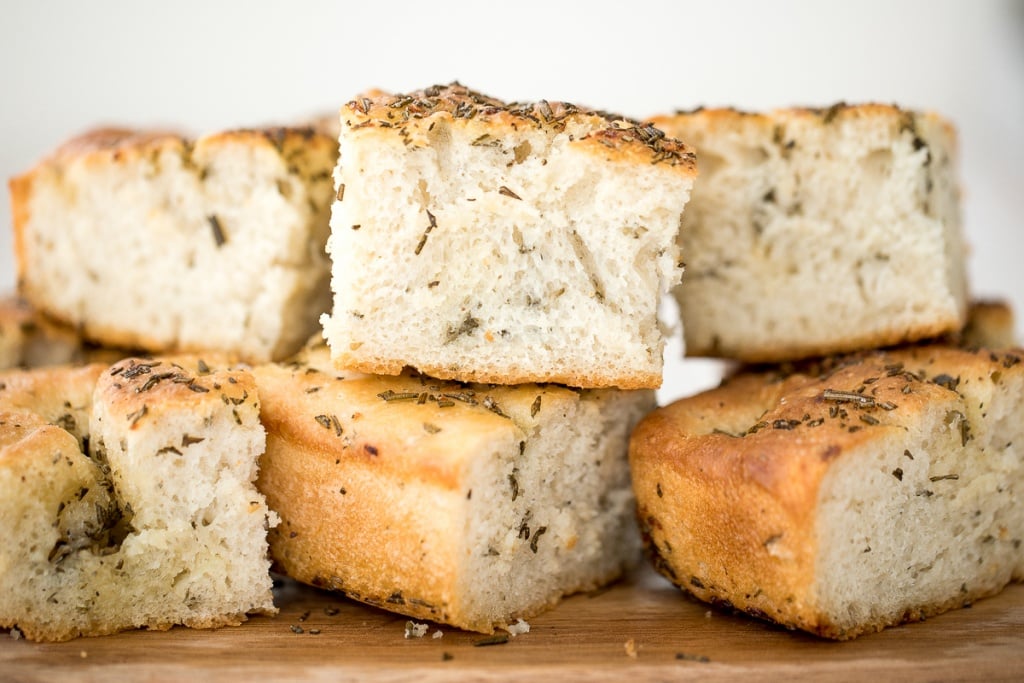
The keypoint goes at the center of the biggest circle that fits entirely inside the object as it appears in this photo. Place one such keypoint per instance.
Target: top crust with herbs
(157, 241)
(819, 231)
(841, 497)
(482, 241)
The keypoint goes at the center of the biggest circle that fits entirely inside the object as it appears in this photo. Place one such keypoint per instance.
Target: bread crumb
(16, 633)
(437, 634)
(631, 648)
(519, 627)
(83, 654)
(414, 630)
(707, 615)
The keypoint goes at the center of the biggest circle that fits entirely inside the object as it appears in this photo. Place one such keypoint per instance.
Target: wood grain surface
(640, 629)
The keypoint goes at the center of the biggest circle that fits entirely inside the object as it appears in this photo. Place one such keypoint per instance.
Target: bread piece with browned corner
(844, 498)
(155, 241)
(819, 231)
(127, 495)
(478, 240)
(29, 339)
(464, 504)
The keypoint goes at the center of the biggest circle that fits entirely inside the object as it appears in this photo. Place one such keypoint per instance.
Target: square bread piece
(813, 232)
(128, 500)
(31, 340)
(468, 505)
(881, 489)
(153, 241)
(483, 241)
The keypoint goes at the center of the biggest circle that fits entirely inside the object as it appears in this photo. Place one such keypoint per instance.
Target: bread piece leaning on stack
(150, 240)
(128, 499)
(841, 498)
(469, 505)
(31, 340)
(819, 231)
(482, 241)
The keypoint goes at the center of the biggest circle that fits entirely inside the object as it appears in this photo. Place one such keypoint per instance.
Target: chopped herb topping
(390, 395)
(137, 415)
(536, 537)
(423, 239)
(848, 397)
(492, 406)
(218, 231)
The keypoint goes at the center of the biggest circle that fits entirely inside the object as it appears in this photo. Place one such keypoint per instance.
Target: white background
(205, 66)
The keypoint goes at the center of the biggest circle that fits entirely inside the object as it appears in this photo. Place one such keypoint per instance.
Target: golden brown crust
(146, 389)
(585, 380)
(880, 338)
(370, 476)
(728, 481)
(412, 115)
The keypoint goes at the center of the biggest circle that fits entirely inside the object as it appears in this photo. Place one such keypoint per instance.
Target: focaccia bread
(127, 495)
(468, 505)
(878, 489)
(31, 340)
(482, 241)
(819, 231)
(154, 241)
(990, 324)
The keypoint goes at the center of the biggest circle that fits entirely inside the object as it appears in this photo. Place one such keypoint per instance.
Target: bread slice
(843, 499)
(468, 505)
(483, 241)
(154, 241)
(819, 231)
(156, 522)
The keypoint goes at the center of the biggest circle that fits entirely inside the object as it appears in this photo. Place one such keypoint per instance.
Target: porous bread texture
(158, 242)
(842, 500)
(128, 496)
(482, 241)
(469, 505)
(813, 232)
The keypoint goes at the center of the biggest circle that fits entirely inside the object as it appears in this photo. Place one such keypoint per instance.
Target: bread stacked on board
(457, 450)
(499, 266)
(128, 498)
(159, 242)
(838, 494)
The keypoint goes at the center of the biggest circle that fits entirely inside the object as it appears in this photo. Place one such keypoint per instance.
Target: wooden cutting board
(640, 629)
